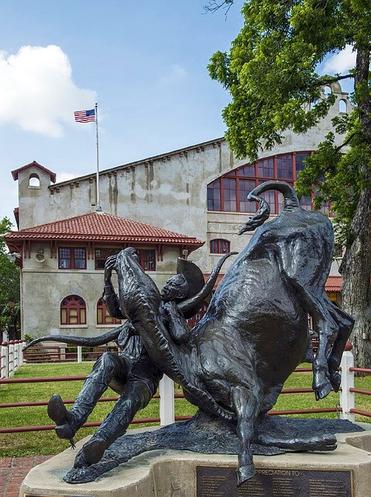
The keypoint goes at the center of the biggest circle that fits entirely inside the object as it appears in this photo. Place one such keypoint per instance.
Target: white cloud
(341, 62)
(37, 91)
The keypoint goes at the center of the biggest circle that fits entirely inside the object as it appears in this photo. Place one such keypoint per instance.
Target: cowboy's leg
(109, 370)
(136, 396)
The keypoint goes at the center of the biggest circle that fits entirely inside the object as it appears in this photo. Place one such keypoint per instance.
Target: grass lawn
(21, 444)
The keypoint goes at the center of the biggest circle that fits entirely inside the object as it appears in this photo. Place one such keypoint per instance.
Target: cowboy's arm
(112, 303)
(109, 294)
(176, 323)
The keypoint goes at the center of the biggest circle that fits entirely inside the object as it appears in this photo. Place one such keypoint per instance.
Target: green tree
(9, 288)
(271, 72)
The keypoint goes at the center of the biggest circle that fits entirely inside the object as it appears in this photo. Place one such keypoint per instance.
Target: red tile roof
(334, 284)
(98, 226)
(52, 175)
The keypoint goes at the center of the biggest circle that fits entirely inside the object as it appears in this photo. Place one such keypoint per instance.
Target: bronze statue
(234, 362)
(131, 373)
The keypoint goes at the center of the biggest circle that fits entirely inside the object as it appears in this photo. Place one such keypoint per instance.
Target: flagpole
(98, 207)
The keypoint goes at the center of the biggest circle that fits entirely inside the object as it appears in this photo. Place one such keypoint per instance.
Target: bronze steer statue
(130, 373)
(234, 362)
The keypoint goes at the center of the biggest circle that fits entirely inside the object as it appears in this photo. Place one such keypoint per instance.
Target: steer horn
(290, 200)
(262, 214)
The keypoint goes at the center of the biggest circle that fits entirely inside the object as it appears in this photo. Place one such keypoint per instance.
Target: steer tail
(290, 200)
(83, 341)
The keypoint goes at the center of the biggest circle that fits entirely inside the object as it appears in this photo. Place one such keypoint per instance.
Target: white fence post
(79, 353)
(10, 358)
(4, 351)
(62, 352)
(20, 352)
(2, 357)
(347, 382)
(15, 355)
(167, 405)
(7, 360)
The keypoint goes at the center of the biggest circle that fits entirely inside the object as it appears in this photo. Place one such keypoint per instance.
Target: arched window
(326, 90)
(73, 310)
(33, 181)
(342, 106)
(103, 316)
(300, 161)
(220, 246)
(229, 192)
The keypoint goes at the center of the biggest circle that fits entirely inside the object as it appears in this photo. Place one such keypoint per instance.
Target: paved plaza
(13, 470)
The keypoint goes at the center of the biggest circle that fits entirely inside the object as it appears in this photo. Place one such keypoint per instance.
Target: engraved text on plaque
(221, 482)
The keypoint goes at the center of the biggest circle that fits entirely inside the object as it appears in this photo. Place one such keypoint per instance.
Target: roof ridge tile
(104, 227)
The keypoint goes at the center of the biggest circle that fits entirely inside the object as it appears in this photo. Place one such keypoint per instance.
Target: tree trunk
(356, 266)
(356, 273)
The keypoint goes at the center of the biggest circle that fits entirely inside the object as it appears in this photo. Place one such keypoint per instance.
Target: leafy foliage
(271, 72)
(337, 177)
(9, 286)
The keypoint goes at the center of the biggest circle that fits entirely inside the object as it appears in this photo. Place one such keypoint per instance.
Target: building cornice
(199, 147)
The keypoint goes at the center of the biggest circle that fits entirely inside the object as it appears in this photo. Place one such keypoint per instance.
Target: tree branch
(215, 5)
(345, 142)
(334, 79)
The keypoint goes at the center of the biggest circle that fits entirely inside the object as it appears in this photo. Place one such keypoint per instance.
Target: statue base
(170, 473)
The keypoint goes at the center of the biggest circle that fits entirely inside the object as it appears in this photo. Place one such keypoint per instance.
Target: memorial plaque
(221, 482)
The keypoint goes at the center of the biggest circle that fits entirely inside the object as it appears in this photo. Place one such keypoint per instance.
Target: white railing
(11, 357)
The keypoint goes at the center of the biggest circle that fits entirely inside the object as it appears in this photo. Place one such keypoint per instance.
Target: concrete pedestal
(173, 473)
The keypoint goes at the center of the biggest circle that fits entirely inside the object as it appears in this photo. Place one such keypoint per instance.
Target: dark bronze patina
(233, 363)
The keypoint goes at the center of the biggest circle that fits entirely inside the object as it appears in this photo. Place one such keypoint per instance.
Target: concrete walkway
(13, 470)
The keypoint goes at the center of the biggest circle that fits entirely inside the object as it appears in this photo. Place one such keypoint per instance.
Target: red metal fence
(346, 411)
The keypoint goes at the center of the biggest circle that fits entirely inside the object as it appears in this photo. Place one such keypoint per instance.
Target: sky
(145, 63)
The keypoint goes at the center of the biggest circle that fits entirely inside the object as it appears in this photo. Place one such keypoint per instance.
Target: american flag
(85, 116)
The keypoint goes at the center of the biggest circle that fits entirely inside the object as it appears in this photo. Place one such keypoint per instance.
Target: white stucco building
(199, 191)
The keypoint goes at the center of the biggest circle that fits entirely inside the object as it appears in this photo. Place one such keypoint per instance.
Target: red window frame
(222, 196)
(71, 256)
(73, 311)
(103, 316)
(220, 246)
(101, 255)
(147, 259)
(213, 196)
